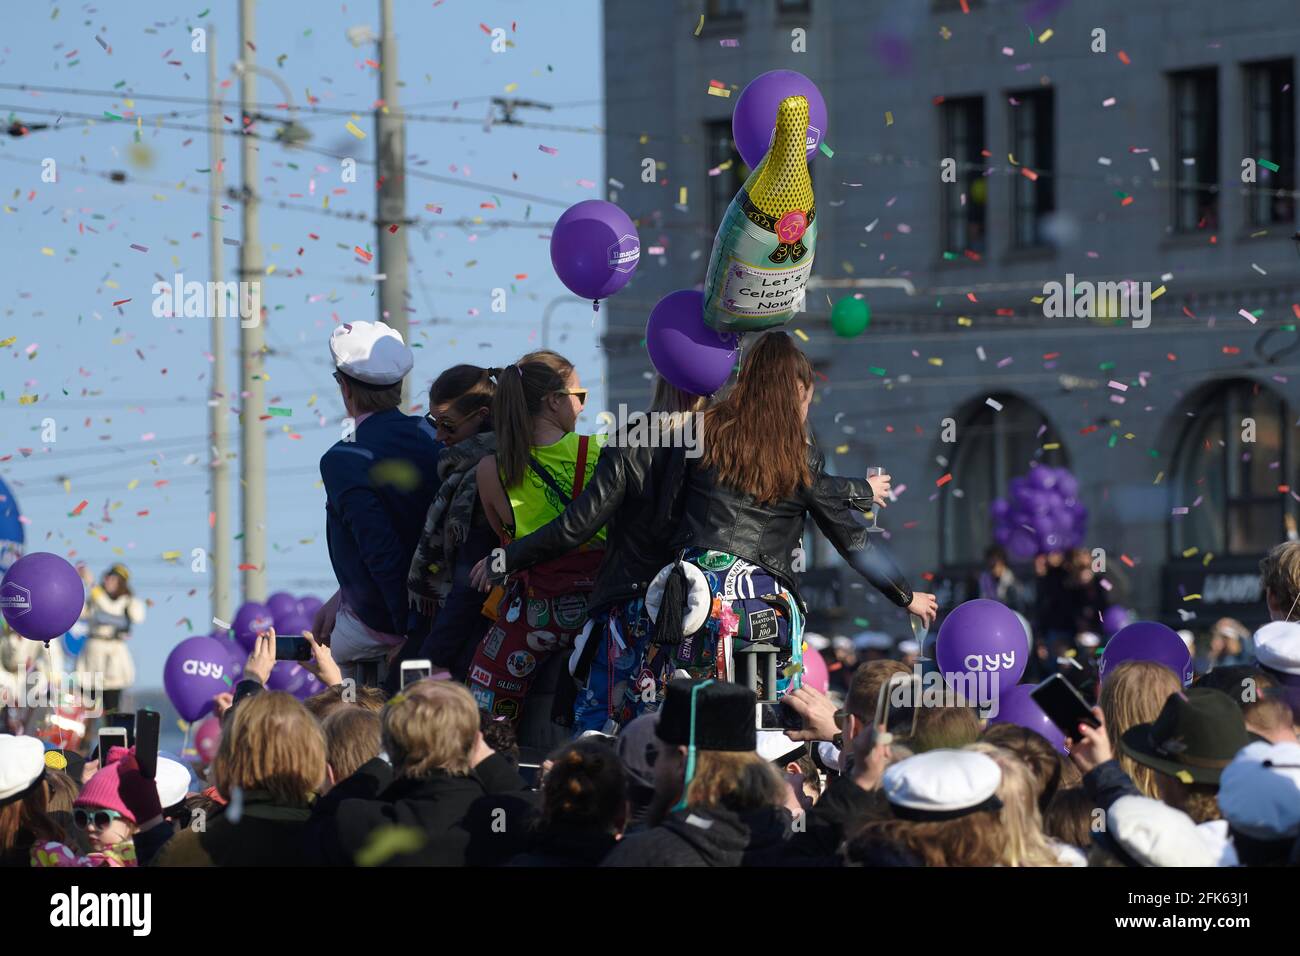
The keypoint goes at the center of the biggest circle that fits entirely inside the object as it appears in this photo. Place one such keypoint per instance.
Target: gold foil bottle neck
(781, 182)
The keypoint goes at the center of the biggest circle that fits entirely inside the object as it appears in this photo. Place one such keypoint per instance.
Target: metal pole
(390, 145)
(550, 308)
(222, 566)
(251, 338)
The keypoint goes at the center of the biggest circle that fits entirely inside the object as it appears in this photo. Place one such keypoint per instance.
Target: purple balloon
(1147, 641)
(251, 619)
(1068, 484)
(281, 603)
(238, 657)
(1021, 545)
(1042, 477)
(309, 605)
(1000, 509)
(197, 669)
(685, 351)
(753, 124)
(594, 249)
(1115, 618)
(41, 596)
(292, 625)
(294, 679)
(894, 51)
(1015, 706)
(982, 635)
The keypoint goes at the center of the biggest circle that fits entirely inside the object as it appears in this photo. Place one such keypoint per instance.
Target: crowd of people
(616, 640)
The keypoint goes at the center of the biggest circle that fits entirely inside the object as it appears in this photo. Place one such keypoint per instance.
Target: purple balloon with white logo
(41, 596)
(250, 620)
(1147, 641)
(594, 249)
(982, 636)
(197, 669)
(753, 124)
(1015, 706)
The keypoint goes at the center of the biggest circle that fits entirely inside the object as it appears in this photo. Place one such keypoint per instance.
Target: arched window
(994, 445)
(1230, 458)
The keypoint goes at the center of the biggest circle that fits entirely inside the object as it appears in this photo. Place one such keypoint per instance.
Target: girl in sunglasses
(113, 805)
(541, 464)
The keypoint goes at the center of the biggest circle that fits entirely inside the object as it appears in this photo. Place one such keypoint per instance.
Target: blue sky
(127, 391)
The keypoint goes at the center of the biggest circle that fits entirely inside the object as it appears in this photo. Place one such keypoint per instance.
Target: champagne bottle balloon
(763, 252)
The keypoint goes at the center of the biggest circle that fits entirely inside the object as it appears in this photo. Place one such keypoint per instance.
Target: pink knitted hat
(103, 790)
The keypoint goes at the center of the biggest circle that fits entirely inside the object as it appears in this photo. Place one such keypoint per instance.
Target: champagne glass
(874, 527)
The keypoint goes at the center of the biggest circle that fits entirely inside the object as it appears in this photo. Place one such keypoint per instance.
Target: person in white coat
(111, 611)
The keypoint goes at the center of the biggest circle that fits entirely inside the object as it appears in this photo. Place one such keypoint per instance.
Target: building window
(1270, 137)
(1196, 150)
(964, 202)
(731, 171)
(993, 446)
(1032, 133)
(726, 9)
(1227, 482)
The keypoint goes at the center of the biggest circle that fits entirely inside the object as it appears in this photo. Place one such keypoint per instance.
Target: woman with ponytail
(456, 531)
(747, 497)
(540, 466)
(636, 490)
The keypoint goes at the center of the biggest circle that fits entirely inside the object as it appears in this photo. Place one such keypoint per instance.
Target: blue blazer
(378, 490)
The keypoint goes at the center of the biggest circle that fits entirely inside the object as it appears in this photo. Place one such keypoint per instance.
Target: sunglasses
(579, 393)
(446, 424)
(102, 819)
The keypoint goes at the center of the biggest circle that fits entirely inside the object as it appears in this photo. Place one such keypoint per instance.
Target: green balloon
(850, 317)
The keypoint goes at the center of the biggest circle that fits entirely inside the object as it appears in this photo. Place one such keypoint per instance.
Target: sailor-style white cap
(1259, 792)
(370, 352)
(1277, 646)
(22, 761)
(943, 784)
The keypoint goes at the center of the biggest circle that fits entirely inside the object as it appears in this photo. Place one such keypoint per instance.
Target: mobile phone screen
(1063, 705)
(110, 737)
(292, 649)
(127, 723)
(413, 671)
(147, 723)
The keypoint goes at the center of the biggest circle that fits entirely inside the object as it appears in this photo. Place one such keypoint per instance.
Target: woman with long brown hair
(540, 466)
(456, 531)
(747, 498)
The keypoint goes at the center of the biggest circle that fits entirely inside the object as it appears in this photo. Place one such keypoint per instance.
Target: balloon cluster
(201, 667)
(1042, 512)
(763, 251)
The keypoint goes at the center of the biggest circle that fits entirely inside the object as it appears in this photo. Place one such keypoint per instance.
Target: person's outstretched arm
(836, 505)
(579, 522)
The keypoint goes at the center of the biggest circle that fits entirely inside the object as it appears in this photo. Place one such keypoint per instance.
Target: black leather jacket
(721, 519)
(636, 492)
